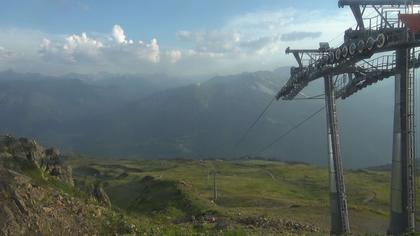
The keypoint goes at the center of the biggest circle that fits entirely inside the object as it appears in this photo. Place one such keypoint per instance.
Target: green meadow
(254, 197)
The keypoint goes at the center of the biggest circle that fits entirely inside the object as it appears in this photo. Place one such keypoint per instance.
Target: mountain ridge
(121, 118)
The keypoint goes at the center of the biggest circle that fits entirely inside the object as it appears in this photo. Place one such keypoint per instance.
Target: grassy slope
(246, 188)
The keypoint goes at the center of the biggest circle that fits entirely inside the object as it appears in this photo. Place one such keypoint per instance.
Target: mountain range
(156, 116)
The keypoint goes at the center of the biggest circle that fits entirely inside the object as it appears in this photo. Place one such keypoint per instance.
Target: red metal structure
(412, 21)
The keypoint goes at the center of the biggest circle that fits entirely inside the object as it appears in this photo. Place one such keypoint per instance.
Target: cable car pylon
(393, 29)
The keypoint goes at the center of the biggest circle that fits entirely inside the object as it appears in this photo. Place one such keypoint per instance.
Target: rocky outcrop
(53, 164)
(31, 203)
(29, 153)
(28, 209)
(100, 195)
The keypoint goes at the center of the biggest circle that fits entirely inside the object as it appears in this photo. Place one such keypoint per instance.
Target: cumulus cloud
(82, 48)
(53, 52)
(82, 45)
(118, 34)
(149, 51)
(74, 48)
(174, 55)
(247, 42)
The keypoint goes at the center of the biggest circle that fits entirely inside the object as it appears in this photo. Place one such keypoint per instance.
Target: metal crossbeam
(322, 67)
(370, 72)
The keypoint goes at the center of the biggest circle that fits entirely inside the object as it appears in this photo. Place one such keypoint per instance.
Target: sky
(174, 37)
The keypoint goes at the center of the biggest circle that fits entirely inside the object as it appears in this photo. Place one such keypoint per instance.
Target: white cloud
(256, 41)
(184, 35)
(84, 49)
(75, 48)
(6, 54)
(82, 45)
(301, 35)
(174, 55)
(118, 34)
(265, 23)
(218, 41)
(247, 42)
(254, 34)
(45, 44)
(150, 51)
(53, 52)
(74, 42)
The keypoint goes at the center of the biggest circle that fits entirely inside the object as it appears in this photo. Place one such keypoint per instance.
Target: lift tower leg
(338, 202)
(403, 176)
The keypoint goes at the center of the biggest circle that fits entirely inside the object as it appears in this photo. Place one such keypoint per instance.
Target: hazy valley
(150, 117)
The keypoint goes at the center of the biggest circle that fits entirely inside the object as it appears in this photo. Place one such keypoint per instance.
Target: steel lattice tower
(394, 29)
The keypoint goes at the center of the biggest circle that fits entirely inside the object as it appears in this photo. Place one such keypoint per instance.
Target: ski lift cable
(285, 134)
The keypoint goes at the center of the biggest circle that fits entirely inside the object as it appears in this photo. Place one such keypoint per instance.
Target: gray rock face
(21, 149)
